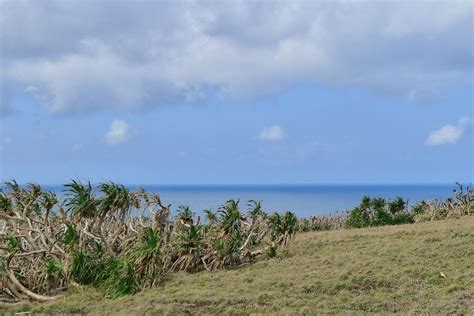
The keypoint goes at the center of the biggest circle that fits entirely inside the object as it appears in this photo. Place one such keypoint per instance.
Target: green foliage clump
(70, 236)
(283, 227)
(112, 275)
(378, 212)
(13, 243)
(147, 259)
(53, 267)
(117, 278)
(272, 251)
(85, 267)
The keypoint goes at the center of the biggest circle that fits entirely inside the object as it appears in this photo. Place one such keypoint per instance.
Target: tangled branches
(120, 241)
(321, 223)
(461, 204)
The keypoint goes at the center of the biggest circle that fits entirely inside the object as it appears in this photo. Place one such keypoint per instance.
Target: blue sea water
(304, 200)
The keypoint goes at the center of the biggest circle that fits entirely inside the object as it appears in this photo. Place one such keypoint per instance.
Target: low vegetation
(381, 211)
(320, 223)
(461, 204)
(108, 241)
(421, 268)
(120, 242)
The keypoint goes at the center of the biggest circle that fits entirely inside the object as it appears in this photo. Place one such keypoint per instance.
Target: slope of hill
(419, 268)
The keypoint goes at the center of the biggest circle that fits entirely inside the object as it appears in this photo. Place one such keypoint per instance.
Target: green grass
(418, 268)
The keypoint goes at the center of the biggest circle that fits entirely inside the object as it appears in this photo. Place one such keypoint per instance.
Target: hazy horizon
(304, 200)
(255, 184)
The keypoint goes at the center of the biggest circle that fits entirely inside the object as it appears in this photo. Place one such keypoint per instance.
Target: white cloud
(118, 133)
(272, 133)
(179, 51)
(448, 134)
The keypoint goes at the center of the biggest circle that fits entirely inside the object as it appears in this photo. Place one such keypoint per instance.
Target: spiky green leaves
(185, 214)
(283, 227)
(230, 216)
(148, 248)
(70, 236)
(6, 203)
(13, 243)
(80, 199)
(379, 212)
(116, 198)
(53, 267)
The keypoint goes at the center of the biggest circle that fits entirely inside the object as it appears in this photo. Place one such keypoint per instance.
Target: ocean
(304, 200)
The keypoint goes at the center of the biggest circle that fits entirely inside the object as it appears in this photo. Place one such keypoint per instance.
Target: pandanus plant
(185, 215)
(230, 216)
(378, 212)
(189, 244)
(80, 200)
(231, 228)
(147, 258)
(211, 217)
(283, 228)
(117, 240)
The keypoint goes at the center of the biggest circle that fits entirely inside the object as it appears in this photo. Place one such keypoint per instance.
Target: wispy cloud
(272, 133)
(118, 133)
(448, 134)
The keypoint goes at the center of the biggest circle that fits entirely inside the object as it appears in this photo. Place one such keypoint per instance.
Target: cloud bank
(76, 56)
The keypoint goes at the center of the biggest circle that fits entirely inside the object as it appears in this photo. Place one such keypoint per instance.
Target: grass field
(419, 268)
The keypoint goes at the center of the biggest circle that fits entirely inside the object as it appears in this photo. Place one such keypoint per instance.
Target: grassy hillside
(425, 267)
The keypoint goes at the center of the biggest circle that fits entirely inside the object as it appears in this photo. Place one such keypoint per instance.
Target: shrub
(461, 204)
(379, 212)
(120, 241)
(320, 227)
(321, 223)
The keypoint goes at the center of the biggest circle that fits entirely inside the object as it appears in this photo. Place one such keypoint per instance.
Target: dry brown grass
(418, 268)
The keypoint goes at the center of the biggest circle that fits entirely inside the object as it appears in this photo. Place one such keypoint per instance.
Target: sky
(241, 92)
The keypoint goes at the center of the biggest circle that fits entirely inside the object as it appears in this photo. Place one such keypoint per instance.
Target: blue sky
(242, 93)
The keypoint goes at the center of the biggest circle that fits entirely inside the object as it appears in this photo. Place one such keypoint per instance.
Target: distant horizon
(303, 199)
(233, 185)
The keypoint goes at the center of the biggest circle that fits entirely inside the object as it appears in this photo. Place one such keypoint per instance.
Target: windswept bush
(461, 204)
(378, 212)
(120, 241)
(321, 223)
